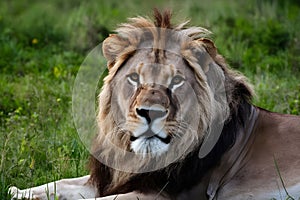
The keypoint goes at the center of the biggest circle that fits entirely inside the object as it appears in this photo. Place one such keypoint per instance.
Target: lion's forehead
(158, 72)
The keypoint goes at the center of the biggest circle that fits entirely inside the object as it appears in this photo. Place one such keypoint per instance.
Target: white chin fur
(151, 146)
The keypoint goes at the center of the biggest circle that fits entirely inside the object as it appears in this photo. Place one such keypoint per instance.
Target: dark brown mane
(186, 173)
(162, 19)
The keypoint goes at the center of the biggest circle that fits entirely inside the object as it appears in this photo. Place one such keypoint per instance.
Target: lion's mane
(189, 171)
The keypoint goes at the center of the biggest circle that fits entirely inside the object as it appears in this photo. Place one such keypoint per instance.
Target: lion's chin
(149, 146)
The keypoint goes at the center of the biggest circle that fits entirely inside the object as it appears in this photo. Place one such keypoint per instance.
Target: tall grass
(42, 45)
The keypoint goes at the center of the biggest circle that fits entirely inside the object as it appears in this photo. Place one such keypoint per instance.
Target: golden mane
(131, 34)
(121, 47)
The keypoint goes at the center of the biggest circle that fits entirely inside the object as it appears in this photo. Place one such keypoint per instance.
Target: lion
(175, 122)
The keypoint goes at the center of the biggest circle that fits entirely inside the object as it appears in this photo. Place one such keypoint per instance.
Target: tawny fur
(120, 47)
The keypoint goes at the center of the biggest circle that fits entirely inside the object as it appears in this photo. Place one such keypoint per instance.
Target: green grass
(42, 45)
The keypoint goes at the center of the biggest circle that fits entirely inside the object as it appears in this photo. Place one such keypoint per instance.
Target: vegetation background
(43, 43)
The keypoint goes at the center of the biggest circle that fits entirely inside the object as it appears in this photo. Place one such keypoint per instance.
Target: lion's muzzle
(152, 107)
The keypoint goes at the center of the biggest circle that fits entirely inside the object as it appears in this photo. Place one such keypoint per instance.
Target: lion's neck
(233, 159)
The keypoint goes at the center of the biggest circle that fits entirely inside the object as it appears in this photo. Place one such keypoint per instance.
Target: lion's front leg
(67, 189)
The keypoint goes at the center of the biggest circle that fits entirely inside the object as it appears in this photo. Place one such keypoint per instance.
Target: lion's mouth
(150, 135)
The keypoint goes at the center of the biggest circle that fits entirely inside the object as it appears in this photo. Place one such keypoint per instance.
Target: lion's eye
(176, 81)
(133, 78)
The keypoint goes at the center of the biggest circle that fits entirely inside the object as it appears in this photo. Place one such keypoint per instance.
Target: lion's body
(176, 122)
(248, 170)
(274, 139)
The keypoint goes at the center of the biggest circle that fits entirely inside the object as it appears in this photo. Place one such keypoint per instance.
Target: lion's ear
(112, 48)
(209, 46)
(204, 52)
(213, 52)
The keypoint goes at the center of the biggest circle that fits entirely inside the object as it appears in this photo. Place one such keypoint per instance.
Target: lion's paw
(21, 194)
(13, 190)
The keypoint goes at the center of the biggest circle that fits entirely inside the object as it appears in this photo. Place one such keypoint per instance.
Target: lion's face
(155, 101)
(159, 97)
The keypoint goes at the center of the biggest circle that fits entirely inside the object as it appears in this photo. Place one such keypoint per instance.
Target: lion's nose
(151, 114)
